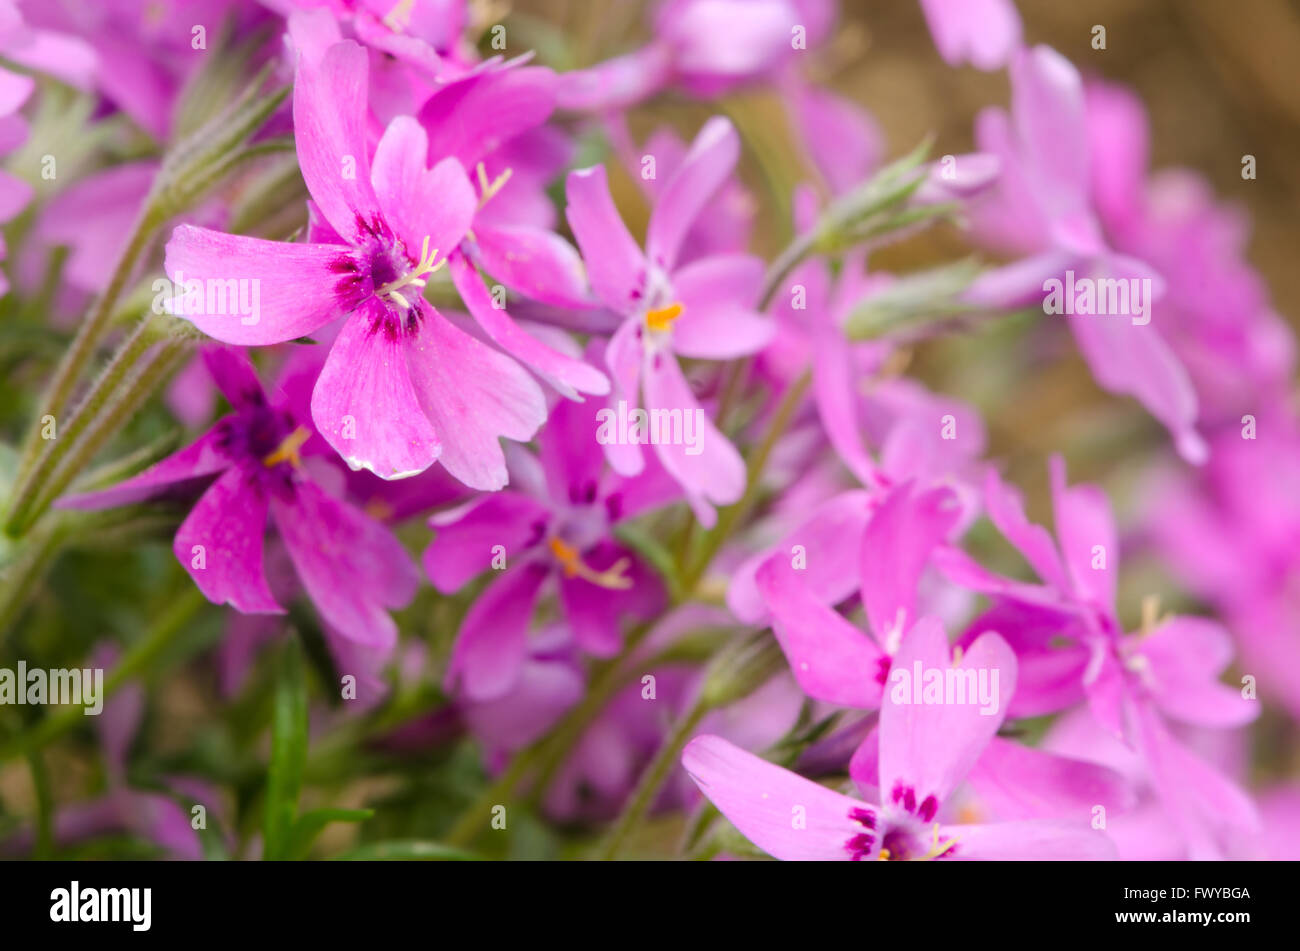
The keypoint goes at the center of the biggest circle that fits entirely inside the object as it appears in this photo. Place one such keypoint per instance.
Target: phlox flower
(1042, 207)
(706, 47)
(1072, 648)
(402, 387)
(983, 33)
(249, 467)
(556, 525)
(704, 309)
(1237, 350)
(923, 753)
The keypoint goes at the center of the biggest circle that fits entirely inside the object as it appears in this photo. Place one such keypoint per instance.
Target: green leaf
(288, 754)
(407, 850)
(310, 824)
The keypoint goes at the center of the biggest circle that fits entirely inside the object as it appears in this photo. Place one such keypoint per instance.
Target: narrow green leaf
(310, 824)
(288, 753)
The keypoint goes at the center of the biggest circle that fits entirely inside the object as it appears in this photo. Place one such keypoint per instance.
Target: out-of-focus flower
(557, 525)
(983, 33)
(1042, 207)
(706, 47)
(352, 567)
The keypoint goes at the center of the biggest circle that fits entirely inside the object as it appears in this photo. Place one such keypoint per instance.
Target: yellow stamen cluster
(663, 318)
(415, 278)
(287, 451)
(936, 849)
(613, 577)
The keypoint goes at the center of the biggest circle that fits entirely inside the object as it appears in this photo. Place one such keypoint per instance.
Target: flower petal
(464, 539)
(831, 659)
(1029, 840)
(492, 643)
(718, 321)
(926, 747)
(329, 120)
(183, 469)
(705, 463)
(351, 565)
(782, 813)
(473, 396)
(434, 204)
(220, 544)
(262, 292)
(706, 167)
(567, 374)
(364, 403)
(895, 550)
(615, 265)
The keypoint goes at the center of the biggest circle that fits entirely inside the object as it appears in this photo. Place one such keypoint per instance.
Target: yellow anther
(287, 451)
(397, 18)
(488, 189)
(956, 655)
(663, 318)
(936, 850)
(612, 577)
(414, 278)
(883, 856)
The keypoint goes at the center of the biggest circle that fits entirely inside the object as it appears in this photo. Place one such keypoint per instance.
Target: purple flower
(924, 752)
(15, 194)
(983, 33)
(703, 310)
(351, 566)
(402, 387)
(556, 526)
(707, 47)
(1042, 207)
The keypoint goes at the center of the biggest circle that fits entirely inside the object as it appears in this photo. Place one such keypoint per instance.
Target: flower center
(393, 289)
(613, 578)
(287, 450)
(661, 318)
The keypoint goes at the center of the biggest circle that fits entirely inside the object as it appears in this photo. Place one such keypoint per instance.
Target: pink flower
(249, 467)
(402, 387)
(703, 310)
(1042, 207)
(555, 528)
(983, 33)
(924, 752)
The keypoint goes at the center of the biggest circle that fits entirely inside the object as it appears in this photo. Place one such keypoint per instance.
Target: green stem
(652, 781)
(137, 659)
(82, 349)
(19, 581)
(140, 365)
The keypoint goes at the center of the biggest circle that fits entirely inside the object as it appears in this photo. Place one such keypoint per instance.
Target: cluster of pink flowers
(464, 306)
